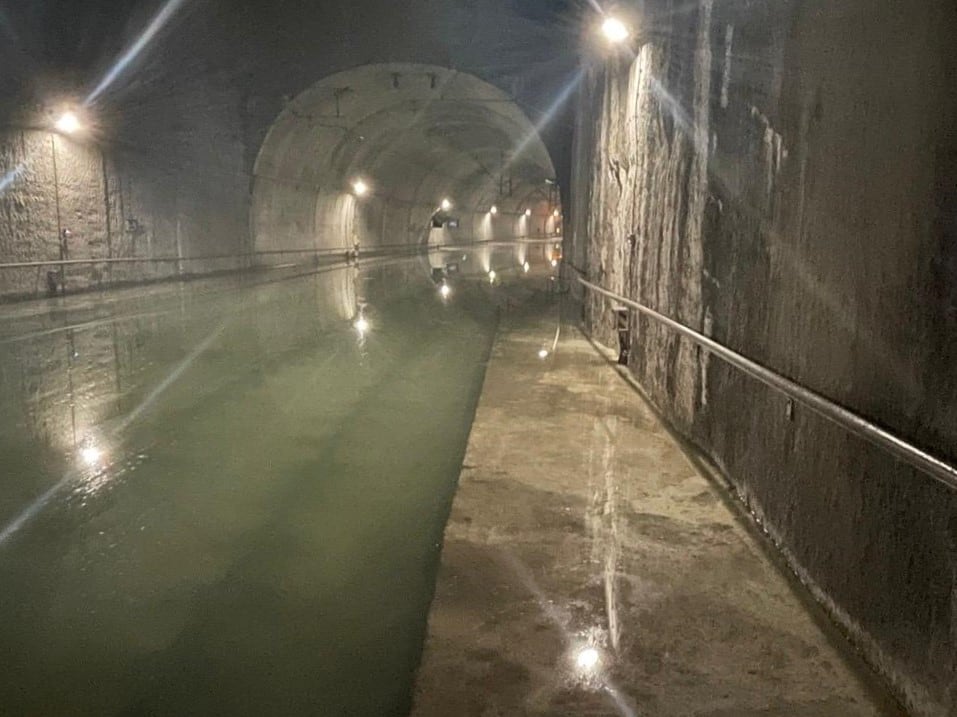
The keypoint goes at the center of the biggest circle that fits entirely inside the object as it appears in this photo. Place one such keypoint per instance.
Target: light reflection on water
(266, 488)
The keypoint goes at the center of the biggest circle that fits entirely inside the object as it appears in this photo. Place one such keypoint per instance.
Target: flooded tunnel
(533, 357)
(430, 148)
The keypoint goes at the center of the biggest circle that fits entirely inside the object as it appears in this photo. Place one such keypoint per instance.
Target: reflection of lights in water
(91, 455)
(445, 291)
(543, 354)
(527, 267)
(587, 659)
(361, 325)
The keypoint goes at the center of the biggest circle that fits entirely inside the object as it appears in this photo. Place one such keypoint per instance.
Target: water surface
(222, 498)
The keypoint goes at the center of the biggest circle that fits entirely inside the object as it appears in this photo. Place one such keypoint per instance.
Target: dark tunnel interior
(478, 357)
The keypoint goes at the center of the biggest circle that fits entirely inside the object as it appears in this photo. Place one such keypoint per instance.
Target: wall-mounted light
(360, 188)
(493, 211)
(492, 276)
(445, 291)
(543, 354)
(68, 123)
(526, 267)
(556, 213)
(614, 30)
(528, 212)
(446, 205)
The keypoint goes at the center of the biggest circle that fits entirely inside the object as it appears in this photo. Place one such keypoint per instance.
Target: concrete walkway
(590, 569)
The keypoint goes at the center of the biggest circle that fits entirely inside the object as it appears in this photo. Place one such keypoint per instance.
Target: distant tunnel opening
(414, 135)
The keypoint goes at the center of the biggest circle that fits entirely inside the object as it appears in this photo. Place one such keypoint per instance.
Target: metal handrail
(156, 259)
(370, 250)
(824, 407)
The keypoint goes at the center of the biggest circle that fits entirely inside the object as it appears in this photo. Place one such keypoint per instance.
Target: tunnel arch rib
(415, 134)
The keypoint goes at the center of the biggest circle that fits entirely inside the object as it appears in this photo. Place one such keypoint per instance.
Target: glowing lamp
(68, 123)
(614, 30)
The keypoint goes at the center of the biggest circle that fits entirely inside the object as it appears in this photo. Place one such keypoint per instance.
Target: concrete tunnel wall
(788, 174)
(172, 160)
(415, 134)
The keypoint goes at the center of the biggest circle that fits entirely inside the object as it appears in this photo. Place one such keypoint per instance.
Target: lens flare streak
(152, 30)
(548, 116)
(10, 177)
(92, 459)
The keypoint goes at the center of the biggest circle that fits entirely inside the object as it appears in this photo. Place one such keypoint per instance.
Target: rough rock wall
(788, 174)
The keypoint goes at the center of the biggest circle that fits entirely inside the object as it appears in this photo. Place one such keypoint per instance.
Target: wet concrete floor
(589, 568)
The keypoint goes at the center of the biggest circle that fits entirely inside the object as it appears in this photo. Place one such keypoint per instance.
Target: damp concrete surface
(593, 566)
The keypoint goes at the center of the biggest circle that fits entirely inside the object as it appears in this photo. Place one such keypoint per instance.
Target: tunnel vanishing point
(752, 205)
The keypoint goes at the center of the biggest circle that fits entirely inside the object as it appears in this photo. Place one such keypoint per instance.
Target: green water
(261, 532)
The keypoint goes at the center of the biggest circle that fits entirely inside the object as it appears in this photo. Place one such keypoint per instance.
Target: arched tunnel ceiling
(415, 133)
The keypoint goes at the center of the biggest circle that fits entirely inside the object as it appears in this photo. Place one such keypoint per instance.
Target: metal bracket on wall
(623, 327)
